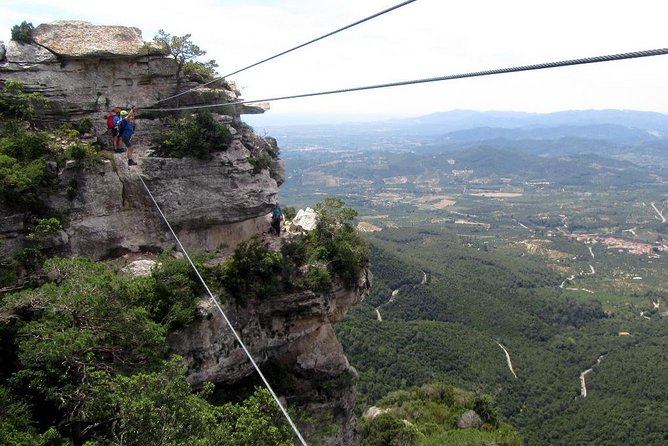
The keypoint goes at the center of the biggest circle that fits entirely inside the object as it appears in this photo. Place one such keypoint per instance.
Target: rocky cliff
(85, 70)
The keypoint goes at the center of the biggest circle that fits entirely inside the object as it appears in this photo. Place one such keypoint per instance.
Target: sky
(424, 39)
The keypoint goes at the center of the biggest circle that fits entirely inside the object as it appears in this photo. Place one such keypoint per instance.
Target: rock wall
(85, 70)
(221, 201)
(294, 331)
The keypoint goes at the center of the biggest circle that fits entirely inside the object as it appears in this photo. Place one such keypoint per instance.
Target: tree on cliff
(184, 53)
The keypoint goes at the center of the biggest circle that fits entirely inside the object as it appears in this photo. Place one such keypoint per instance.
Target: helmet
(124, 113)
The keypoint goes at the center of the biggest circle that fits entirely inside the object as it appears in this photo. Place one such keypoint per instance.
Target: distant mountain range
(606, 124)
(600, 121)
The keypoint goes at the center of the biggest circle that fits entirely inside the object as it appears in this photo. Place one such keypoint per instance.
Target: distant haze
(427, 38)
(457, 120)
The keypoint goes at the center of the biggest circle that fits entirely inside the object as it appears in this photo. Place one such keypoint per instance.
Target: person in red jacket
(112, 124)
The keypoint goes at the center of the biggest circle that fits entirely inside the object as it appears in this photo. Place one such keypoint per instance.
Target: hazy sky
(426, 38)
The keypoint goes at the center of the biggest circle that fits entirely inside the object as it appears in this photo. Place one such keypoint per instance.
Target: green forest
(479, 295)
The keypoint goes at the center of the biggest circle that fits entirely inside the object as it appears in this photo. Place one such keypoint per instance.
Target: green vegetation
(184, 52)
(312, 261)
(428, 415)
(85, 360)
(84, 351)
(23, 32)
(196, 135)
(25, 155)
(336, 241)
(447, 329)
(17, 106)
(200, 72)
(289, 212)
(255, 271)
(171, 292)
(478, 248)
(260, 162)
(29, 165)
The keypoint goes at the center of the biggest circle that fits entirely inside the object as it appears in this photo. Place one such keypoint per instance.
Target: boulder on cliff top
(79, 39)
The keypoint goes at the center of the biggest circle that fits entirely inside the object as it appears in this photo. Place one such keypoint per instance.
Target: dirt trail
(663, 219)
(583, 384)
(395, 294)
(510, 364)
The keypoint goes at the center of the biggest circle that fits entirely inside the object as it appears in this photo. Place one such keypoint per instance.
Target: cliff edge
(84, 70)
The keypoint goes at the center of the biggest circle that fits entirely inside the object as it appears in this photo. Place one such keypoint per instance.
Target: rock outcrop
(293, 331)
(84, 70)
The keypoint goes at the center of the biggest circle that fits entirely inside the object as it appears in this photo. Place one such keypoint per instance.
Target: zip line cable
(292, 49)
(227, 321)
(516, 69)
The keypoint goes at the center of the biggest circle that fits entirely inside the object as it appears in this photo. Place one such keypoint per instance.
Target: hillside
(531, 269)
(482, 295)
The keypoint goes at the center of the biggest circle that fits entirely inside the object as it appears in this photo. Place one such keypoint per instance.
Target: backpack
(276, 213)
(121, 125)
(110, 121)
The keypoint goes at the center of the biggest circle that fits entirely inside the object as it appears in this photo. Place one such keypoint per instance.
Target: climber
(112, 124)
(126, 130)
(276, 217)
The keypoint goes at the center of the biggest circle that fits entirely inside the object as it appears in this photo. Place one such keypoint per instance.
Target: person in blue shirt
(276, 217)
(126, 130)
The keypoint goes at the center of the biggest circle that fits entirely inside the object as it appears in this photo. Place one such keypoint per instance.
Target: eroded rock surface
(85, 70)
(295, 331)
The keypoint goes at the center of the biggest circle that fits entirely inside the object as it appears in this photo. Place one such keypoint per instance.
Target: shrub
(16, 104)
(318, 279)
(483, 406)
(260, 162)
(44, 228)
(24, 172)
(23, 32)
(83, 154)
(200, 72)
(385, 429)
(84, 125)
(170, 293)
(24, 145)
(19, 183)
(197, 135)
(336, 240)
(304, 262)
(253, 271)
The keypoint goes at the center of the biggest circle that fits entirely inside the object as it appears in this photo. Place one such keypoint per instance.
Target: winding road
(394, 295)
(510, 364)
(663, 219)
(583, 384)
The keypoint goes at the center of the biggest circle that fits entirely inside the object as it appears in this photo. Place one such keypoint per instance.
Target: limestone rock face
(80, 39)
(221, 201)
(293, 330)
(85, 70)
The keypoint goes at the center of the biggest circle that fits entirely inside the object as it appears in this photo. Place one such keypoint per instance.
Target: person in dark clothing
(276, 217)
(113, 123)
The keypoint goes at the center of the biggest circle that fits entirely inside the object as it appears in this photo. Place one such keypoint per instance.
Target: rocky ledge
(293, 338)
